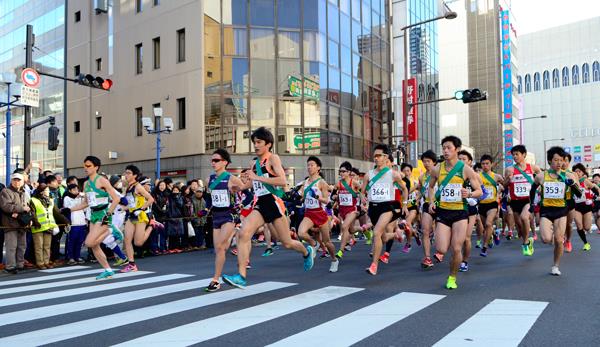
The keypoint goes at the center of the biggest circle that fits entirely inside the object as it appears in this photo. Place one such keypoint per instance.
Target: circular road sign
(30, 77)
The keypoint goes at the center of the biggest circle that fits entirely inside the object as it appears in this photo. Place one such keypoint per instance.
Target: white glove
(471, 201)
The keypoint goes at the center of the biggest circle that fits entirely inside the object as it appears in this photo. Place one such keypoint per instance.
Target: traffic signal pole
(29, 42)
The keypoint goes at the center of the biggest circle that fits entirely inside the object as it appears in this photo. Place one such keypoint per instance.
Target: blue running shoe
(236, 280)
(483, 253)
(105, 275)
(464, 267)
(309, 260)
(496, 238)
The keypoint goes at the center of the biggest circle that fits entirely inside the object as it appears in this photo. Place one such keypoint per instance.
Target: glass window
(377, 77)
(345, 6)
(289, 44)
(235, 12)
(333, 93)
(138, 122)
(235, 110)
(312, 114)
(288, 14)
(345, 32)
(519, 85)
(555, 79)
(356, 34)
(156, 53)
(290, 112)
(356, 9)
(333, 54)
(357, 93)
(536, 81)
(546, 78)
(334, 118)
(262, 81)
(139, 55)
(346, 91)
(261, 13)
(527, 83)
(356, 66)
(367, 73)
(235, 41)
(315, 46)
(346, 121)
(585, 73)
(262, 112)
(138, 6)
(262, 44)
(366, 14)
(235, 76)
(315, 15)
(565, 76)
(181, 116)
(333, 16)
(596, 71)
(346, 58)
(236, 139)
(289, 69)
(575, 72)
(181, 45)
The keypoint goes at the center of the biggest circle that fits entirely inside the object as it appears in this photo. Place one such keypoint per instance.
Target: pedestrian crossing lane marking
(102, 301)
(106, 285)
(210, 328)
(94, 325)
(84, 280)
(515, 316)
(64, 269)
(48, 278)
(370, 319)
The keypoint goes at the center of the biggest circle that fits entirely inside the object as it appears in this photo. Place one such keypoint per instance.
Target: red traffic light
(107, 84)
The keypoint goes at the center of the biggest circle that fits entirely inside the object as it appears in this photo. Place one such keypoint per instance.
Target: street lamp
(154, 128)
(546, 141)
(521, 125)
(447, 15)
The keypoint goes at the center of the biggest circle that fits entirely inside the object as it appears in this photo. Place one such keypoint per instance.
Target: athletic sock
(388, 245)
(119, 253)
(582, 235)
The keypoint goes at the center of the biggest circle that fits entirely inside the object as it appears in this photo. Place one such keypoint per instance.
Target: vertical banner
(508, 144)
(507, 87)
(410, 120)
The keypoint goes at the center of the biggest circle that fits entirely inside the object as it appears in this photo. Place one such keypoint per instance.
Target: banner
(587, 148)
(508, 144)
(311, 88)
(506, 68)
(597, 148)
(410, 120)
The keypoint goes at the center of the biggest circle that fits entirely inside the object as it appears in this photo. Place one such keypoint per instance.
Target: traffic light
(97, 82)
(53, 138)
(470, 95)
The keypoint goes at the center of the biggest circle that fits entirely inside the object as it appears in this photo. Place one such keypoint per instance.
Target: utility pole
(29, 42)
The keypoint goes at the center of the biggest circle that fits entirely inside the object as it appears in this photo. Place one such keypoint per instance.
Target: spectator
(15, 209)
(74, 208)
(45, 218)
(160, 211)
(175, 223)
(199, 206)
(53, 185)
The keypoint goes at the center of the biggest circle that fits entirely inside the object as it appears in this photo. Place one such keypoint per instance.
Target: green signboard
(577, 149)
(309, 141)
(311, 88)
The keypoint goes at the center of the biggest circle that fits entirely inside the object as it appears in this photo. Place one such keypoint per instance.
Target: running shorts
(316, 215)
(571, 204)
(518, 205)
(472, 210)
(376, 209)
(346, 210)
(553, 213)
(223, 217)
(449, 217)
(484, 208)
(583, 208)
(426, 210)
(99, 213)
(270, 207)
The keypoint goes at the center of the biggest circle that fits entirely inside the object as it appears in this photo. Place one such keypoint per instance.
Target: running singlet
(220, 196)
(519, 185)
(134, 200)
(258, 187)
(345, 197)
(489, 187)
(381, 190)
(425, 187)
(96, 197)
(310, 202)
(450, 197)
(553, 192)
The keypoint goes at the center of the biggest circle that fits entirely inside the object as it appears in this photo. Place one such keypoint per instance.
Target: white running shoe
(555, 271)
(334, 266)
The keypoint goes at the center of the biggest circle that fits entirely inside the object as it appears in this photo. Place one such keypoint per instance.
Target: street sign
(30, 96)
(30, 77)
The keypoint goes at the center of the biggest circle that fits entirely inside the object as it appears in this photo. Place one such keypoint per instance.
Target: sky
(536, 15)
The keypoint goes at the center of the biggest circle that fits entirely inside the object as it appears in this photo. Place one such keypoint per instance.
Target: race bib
(130, 201)
(312, 203)
(345, 199)
(554, 190)
(259, 188)
(451, 193)
(580, 199)
(220, 198)
(522, 189)
(381, 192)
(91, 198)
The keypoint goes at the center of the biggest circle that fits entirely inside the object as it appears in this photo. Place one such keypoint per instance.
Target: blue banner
(506, 68)
(508, 144)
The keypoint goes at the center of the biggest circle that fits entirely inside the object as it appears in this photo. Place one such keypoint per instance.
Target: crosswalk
(56, 296)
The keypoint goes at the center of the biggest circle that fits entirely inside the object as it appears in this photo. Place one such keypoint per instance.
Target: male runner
(450, 203)
(596, 209)
(519, 179)
(429, 159)
(348, 191)
(267, 177)
(413, 209)
(488, 206)
(467, 158)
(97, 190)
(566, 166)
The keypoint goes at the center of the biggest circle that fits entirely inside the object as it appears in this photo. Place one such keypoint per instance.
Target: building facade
(560, 78)
(48, 20)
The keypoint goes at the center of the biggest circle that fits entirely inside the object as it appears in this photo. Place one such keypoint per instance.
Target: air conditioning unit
(113, 155)
(101, 6)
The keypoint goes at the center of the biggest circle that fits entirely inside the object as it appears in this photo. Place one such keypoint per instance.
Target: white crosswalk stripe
(47, 278)
(65, 268)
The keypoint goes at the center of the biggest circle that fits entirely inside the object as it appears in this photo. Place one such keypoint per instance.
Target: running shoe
(213, 286)
(106, 274)
(352, 242)
(483, 252)
(324, 254)
(79, 261)
(439, 257)
(129, 268)
(496, 238)
(236, 280)
(510, 235)
(407, 247)
(555, 271)
(348, 248)
(339, 254)
(385, 258)
(418, 238)
(426, 263)
(121, 262)
(568, 246)
(587, 247)
(478, 244)
(309, 260)
(464, 267)
(491, 242)
(334, 266)
(451, 283)
(268, 252)
(234, 251)
(530, 246)
(71, 262)
(372, 270)
(525, 250)
(248, 266)
(369, 235)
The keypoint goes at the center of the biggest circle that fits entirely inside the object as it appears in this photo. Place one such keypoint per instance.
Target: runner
(450, 204)
(97, 190)
(596, 180)
(348, 191)
(467, 159)
(583, 204)
(488, 206)
(138, 201)
(267, 177)
(413, 209)
(566, 166)
(519, 178)
(378, 183)
(554, 183)
(315, 192)
(221, 187)
(429, 159)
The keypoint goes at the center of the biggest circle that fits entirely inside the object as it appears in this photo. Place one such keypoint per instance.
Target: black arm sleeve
(534, 188)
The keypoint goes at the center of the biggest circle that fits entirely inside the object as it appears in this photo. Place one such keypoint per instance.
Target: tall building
(560, 78)
(48, 20)
(423, 65)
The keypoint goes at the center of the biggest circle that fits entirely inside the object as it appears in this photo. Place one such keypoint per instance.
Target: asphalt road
(505, 299)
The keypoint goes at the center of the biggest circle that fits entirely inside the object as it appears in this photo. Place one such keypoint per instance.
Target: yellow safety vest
(45, 216)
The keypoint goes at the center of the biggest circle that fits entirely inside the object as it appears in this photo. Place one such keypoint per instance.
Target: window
(181, 113)
(155, 2)
(180, 45)
(565, 76)
(575, 73)
(519, 85)
(546, 78)
(138, 6)
(77, 16)
(555, 79)
(139, 54)
(156, 53)
(209, 74)
(139, 127)
(77, 70)
(99, 64)
(98, 123)
(585, 73)
(596, 71)
(527, 83)
(536, 82)
(77, 126)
